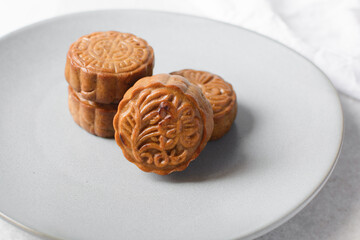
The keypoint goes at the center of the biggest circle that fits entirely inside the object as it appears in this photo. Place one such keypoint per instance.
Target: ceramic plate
(60, 181)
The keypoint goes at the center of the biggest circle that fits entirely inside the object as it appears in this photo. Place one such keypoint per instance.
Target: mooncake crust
(95, 118)
(221, 96)
(102, 66)
(163, 123)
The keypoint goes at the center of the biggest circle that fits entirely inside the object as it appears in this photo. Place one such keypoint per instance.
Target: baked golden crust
(103, 65)
(95, 118)
(163, 123)
(220, 95)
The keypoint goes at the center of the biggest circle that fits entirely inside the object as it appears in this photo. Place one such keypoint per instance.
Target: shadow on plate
(220, 158)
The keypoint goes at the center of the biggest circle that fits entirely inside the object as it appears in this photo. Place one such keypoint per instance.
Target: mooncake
(96, 118)
(163, 123)
(220, 95)
(101, 66)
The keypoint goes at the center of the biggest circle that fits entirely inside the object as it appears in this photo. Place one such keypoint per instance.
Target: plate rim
(256, 233)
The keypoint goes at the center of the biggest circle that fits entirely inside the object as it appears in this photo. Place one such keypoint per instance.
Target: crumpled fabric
(327, 32)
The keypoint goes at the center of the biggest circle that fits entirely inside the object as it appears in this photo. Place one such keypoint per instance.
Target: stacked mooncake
(100, 68)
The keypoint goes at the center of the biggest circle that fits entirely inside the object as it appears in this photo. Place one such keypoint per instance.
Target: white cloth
(325, 31)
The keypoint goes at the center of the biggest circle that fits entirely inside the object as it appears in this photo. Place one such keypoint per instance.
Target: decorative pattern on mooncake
(95, 118)
(220, 95)
(103, 65)
(163, 123)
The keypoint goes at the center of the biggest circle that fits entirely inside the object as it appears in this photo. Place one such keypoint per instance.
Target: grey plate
(58, 180)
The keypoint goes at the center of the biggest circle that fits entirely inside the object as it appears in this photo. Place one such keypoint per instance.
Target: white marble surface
(333, 214)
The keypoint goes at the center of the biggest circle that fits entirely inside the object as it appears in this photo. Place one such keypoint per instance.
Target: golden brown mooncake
(163, 123)
(102, 66)
(96, 118)
(220, 95)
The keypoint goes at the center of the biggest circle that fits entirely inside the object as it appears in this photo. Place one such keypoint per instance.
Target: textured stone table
(333, 214)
